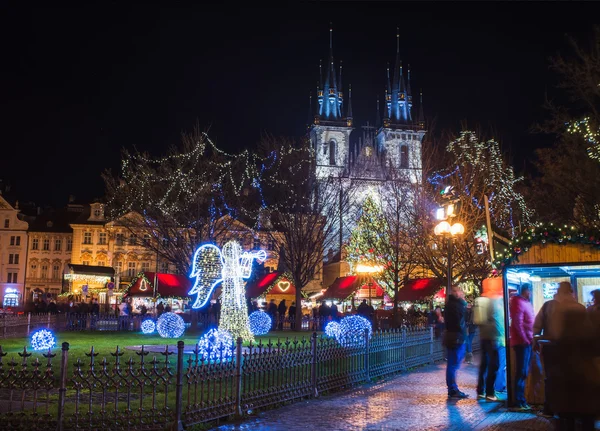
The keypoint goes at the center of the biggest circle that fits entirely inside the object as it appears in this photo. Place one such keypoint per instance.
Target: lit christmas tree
(367, 241)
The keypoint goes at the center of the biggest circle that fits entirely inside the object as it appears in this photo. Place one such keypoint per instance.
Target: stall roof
(106, 271)
(342, 287)
(420, 289)
(273, 282)
(168, 285)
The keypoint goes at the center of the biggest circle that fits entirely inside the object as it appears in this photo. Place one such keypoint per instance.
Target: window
(119, 268)
(44, 271)
(332, 153)
(6, 223)
(12, 240)
(146, 240)
(69, 244)
(271, 245)
(256, 244)
(165, 242)
(146, 266)
(131, 269)
(132, 239)
(12, 277)
(325, 149)
(87, 237)
(55, 272)
(120, 239)
(46, 244)
(35, 244)
(164, 267)
(85, 262)
(102, 238)
(57, 244)
(33, 269)
(11, 259)
(404, 157)
(97, 212)
(18, 242)
(404, 137)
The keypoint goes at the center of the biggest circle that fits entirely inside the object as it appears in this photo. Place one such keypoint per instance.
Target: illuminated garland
(586, 130)
(332, 329)
(260, 322)
(545, 234)
(157, 295)
(148, 326)
(287, 276)
(215, 344)
(88, 278)
(42, 339)
(170, 325)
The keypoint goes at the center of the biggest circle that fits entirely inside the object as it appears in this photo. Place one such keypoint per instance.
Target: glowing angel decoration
(229, 267)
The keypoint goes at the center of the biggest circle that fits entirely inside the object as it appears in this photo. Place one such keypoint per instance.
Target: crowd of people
(564, 333)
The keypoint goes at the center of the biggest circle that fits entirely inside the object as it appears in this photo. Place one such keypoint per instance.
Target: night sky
(81, 83)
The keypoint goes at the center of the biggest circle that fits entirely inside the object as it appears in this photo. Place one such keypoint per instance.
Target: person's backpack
(481, 310)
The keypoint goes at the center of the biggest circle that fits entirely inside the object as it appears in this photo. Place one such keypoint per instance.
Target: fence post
(313, 365)
(431, 341)
(63, 386)
(178, 425)
(367, 354)
(28, 323)
(403, 366)
(238, 376)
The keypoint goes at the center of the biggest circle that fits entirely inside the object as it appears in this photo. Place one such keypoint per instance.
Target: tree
(305, 213)
(182, 199)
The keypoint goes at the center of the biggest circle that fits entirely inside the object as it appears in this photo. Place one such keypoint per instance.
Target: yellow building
(13, 255)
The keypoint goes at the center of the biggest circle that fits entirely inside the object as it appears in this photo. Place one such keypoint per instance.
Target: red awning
(342, 288)
(168, 285)
(273, 283)
(420, 289)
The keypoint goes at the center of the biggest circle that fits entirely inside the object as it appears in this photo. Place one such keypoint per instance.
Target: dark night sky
(81, 83)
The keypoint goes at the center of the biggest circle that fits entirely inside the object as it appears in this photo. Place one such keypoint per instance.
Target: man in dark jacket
(454, 338)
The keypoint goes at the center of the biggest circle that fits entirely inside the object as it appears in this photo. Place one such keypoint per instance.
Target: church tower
(400, 136)
(330, 129)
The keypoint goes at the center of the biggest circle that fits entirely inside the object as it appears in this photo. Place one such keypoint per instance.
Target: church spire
(329, 94)
(421, 120)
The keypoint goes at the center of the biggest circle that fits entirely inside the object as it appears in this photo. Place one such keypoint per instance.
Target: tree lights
(352, 331)
(148, 326)
(215, 344)
(332, 329)
(170, 325)
(42, 339)
(260, 323)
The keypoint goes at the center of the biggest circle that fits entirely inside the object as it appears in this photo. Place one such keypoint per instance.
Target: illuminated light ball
(215, 344)
(260, 322)
(332, 329)
(170, 325)
(148, 326)
(42, 339)
(352, 331)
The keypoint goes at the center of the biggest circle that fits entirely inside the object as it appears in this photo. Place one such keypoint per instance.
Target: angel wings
(207, 267)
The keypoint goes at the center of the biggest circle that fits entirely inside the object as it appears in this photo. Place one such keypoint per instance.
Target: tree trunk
(395, 316)
(298, 317)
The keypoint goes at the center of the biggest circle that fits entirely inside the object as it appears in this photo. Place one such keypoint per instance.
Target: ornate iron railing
(168, 387)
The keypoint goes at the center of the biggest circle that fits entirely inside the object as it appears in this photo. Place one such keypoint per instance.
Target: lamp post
(449, 231)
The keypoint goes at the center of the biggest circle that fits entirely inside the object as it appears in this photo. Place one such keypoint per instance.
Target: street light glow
(368, 269)
(444, 228)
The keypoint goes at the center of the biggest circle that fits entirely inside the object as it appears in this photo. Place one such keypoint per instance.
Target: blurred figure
(281, 309)
(454, 338)
(521, 339)
(292, 315)
(490, 319)
(471, 330)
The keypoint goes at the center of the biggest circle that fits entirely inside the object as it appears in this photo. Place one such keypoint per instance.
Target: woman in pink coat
(521, 337)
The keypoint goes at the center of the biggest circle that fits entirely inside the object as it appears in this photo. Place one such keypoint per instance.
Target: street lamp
(369, 270)
(450, 231)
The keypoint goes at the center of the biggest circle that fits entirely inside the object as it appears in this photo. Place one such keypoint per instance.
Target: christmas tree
(367, 242)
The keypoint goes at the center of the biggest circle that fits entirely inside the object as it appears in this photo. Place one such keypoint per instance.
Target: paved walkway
(411, 401)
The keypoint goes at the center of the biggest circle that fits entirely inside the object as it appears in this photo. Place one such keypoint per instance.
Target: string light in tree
(590, 133)
(42, 339)
(216, 344)
(352, 331)
(260, 322)
(148, 326)
(332, 329)
(170, 325)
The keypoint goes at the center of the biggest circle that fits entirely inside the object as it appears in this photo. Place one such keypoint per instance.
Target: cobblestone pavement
(411, 401)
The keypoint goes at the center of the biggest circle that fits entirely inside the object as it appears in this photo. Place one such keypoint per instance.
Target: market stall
(350, 290)
(84, 282)
(543, 257)
(171, 290)
(273, 285)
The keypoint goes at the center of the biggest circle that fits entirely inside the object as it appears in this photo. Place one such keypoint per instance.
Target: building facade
(13, 255)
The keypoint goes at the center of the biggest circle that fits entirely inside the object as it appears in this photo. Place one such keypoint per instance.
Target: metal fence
(174, 386)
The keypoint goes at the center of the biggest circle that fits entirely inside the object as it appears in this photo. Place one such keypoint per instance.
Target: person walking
(334, 312)
(324, 314)
(471, 329)
(292, 315)
(281, 309)
(521, 338)
(488, 314)
(272, 312)
(454, 339)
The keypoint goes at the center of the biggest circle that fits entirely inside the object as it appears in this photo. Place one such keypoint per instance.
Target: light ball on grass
(215, 344)
(42, 339)
(352, 331)
(148, 326)
(332, 329)
(260, 323)
(170, 325)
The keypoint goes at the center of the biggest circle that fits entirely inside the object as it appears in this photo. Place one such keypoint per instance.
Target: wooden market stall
(171, 290)
(543, 257)
(273, 285)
